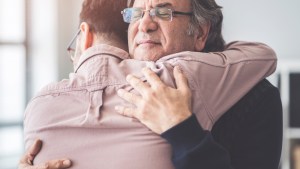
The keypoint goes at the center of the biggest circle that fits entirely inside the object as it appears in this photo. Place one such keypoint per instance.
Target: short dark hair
(104, 16)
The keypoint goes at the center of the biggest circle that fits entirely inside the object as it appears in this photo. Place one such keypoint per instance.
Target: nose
(147, 24)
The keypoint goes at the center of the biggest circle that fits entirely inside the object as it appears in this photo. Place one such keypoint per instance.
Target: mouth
(147, 42)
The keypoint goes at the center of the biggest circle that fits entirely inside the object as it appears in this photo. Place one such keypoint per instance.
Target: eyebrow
(164, 4)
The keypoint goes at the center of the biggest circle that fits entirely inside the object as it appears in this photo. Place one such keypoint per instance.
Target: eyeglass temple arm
(182, 13)
(69, 46)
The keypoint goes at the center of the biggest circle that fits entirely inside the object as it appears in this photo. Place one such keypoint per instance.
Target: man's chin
(146, 58)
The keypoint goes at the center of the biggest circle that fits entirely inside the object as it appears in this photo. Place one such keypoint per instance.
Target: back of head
(104, 17)
(208, 11)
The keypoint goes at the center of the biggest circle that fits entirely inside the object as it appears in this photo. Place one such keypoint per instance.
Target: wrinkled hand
(159, 107)
(27, 159)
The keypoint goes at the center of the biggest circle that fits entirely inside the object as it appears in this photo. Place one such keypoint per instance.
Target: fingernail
(120, 92)
(117, 108)
(29, 161)
(128, 77)
(66, 163)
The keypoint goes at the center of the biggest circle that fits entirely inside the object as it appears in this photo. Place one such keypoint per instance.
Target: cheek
(130, 34)
(178, 40)
(132, 31)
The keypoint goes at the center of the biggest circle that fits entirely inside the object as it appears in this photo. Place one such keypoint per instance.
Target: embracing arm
(167, 110)
(218, 80)
(160, 109)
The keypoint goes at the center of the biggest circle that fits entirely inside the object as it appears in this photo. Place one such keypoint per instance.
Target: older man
(251, 131)
(148, 40)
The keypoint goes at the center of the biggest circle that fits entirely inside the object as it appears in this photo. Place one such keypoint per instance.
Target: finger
(137, 84)
(35, 148)
(30, 154)
(128, 96)
(24, 163)
(125, 111)
(55, 164)
(152, 77)
(181, 80)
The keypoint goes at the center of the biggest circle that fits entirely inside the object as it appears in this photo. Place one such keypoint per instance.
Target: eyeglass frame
(152, 14)
(70, 49)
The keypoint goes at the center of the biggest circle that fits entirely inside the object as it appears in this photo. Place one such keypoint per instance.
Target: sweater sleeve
(251, 133)
(194, 148)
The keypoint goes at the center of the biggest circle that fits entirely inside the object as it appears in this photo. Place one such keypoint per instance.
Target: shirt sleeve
(218, 80)
(194, 148)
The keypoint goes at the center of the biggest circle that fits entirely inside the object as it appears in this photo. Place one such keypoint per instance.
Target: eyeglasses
(72, 46)
(131, 15)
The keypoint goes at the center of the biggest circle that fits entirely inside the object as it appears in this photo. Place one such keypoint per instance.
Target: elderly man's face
(152, 38)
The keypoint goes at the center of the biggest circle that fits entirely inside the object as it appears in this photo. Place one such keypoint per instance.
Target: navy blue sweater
(248, 136)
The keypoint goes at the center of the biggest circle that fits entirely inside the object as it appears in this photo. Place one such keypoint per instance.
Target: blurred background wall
(273, 22)
(34, 35)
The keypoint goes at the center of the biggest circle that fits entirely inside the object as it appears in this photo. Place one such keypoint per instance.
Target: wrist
(184, 135)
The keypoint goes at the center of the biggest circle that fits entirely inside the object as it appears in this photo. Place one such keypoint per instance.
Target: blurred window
(12, 80)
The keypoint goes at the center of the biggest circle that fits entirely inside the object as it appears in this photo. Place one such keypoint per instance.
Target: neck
(111, 39)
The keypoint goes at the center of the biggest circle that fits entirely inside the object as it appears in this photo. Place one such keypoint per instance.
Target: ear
(86, 37)
(202, 37)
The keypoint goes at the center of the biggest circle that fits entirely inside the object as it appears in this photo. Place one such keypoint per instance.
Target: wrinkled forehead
(183, 5)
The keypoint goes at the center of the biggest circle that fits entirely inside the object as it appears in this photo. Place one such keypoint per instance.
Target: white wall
(42, 43)
(274, 22)
(52, 24)
(68, 22)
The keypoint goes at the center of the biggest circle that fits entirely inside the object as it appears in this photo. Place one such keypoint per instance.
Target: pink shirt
(76, 118)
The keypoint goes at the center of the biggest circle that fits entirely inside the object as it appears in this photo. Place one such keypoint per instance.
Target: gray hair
(205, 12)
(208, 12)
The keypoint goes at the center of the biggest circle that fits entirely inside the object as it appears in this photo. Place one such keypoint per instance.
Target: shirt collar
(98, 50)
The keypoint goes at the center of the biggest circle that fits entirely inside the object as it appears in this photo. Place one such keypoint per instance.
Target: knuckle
(127, 112)
(46, 166)
(122, 110)
(136, 82)
(151, 74)
(57, 165)
(131, 97)
(128, 96)
(142, 116)
(150, 95)
(162, 87)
